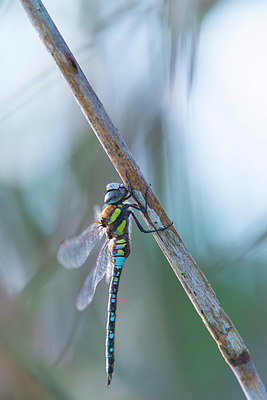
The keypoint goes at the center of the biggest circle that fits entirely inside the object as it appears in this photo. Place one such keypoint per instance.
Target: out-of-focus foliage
(140, 57)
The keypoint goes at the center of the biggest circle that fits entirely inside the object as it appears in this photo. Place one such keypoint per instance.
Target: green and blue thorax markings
(115, 218)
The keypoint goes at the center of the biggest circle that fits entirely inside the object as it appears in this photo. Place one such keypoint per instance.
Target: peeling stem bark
(192, 279)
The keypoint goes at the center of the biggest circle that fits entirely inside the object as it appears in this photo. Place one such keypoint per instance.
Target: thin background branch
(192, 279)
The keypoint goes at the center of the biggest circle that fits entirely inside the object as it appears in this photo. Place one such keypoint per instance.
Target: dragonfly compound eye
(115, 192)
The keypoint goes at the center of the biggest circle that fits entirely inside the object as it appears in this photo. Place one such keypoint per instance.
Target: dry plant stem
(194, 282)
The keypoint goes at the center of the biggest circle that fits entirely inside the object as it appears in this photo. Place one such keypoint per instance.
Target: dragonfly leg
(136, 206)
(130, 189)
(142, 209)
(145, 230)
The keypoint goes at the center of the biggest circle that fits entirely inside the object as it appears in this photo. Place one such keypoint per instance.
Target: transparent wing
(109, 264)
(73, 252)
(89, 285)
(97, 212)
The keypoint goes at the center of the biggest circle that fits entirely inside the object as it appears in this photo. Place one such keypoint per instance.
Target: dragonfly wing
(109, 266)
(90, 283)
(73, 252)
(97, 212)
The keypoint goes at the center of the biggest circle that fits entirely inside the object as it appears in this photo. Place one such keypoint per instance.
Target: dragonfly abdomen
(120, 250)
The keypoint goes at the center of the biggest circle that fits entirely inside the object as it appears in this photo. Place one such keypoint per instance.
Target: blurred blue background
(186, 85)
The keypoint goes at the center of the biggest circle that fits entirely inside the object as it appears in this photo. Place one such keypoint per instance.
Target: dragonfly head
(115, 192)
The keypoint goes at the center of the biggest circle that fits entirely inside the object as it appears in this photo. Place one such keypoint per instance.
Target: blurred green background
(185, 83)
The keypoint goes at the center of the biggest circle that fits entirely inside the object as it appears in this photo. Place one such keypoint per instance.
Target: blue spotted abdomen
(120, 250)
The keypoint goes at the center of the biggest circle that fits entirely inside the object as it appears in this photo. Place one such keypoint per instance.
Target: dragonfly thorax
(115, 193)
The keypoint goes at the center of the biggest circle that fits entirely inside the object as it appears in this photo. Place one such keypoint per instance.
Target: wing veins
(73, 252)
(91, 281)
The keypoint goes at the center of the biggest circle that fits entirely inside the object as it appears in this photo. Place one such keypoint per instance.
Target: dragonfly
(73, 252)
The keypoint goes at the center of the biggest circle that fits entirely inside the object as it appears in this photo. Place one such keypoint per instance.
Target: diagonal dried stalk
(192, 279)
